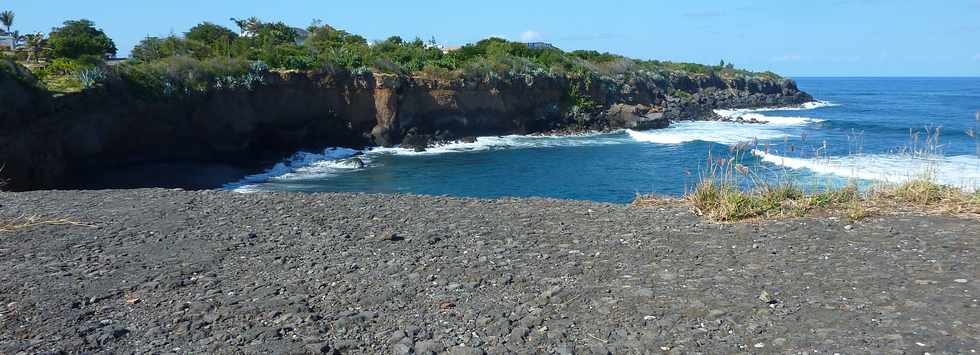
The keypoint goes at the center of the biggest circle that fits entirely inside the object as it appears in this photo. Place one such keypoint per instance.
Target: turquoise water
(863, 129)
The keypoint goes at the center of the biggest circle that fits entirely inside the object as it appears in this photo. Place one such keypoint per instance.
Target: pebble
(308, 280)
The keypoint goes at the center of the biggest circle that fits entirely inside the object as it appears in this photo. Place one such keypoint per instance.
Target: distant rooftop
(541, 45)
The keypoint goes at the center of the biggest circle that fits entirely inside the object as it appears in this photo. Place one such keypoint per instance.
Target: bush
(290, 56)
(80, 38)
(63, 66)
(179, 76)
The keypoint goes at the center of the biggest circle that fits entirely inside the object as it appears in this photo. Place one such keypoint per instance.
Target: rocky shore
(167, 271)
(49, 142)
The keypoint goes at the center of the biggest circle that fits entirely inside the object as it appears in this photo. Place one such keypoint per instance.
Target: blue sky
(795, 38)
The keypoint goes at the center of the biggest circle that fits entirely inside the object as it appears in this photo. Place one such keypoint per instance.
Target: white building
(7, 42)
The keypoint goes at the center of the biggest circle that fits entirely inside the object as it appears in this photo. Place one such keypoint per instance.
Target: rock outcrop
(46, 141)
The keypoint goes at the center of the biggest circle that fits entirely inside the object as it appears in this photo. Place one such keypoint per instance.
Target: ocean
(862, 130)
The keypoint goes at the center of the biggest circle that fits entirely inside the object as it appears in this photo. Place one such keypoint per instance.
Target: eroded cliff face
(45, 141)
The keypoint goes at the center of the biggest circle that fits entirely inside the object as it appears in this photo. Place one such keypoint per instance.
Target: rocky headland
(48, 141)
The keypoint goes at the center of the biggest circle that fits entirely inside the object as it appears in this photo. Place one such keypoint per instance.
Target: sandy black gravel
(202, 272)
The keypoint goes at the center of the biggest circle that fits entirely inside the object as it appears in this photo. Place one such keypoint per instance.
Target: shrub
(290, 56)
(185, 76)
(79, 38)
(63, 66)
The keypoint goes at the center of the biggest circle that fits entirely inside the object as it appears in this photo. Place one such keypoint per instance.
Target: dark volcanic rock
(636, 117)
(49, 142)
(297, 273)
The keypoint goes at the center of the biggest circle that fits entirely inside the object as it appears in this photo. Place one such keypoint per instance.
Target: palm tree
(7, 19)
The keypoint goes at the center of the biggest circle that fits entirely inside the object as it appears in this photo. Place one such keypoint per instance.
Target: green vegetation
(185, 75)
(80, 39)
(198, 55)
(7, 19)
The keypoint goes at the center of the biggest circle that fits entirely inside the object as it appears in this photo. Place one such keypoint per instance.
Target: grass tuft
(921, 191)
(23, 222)
(723, 202)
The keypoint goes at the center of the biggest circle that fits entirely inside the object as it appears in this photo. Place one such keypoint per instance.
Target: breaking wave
(332, 161)
(961, 171)
(313, 165)
(728, 133)
(510, 142)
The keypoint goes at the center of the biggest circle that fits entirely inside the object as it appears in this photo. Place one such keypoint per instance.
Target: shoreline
(205, 271)
(52, 140)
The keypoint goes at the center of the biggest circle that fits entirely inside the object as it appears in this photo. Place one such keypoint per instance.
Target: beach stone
(500, 280)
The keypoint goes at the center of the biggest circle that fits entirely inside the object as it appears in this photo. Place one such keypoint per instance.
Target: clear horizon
(843, 38)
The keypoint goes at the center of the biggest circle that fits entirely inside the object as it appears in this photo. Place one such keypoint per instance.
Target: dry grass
(721, 194)
(722, 202)
(924, 195)
(25, 222)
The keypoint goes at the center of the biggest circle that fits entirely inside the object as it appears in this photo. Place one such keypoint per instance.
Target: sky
(791, 37)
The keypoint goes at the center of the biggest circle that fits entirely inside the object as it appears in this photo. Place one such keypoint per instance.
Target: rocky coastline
(47, 142)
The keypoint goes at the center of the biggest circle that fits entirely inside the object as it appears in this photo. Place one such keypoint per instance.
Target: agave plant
(91, 77)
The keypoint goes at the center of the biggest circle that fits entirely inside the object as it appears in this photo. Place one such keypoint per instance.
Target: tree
(35, 44)
(275, 34)
(80, 38)
(149, 49)
(210, 34)
(7, 19)
(323, 37)
(249, 27)
(155, 48)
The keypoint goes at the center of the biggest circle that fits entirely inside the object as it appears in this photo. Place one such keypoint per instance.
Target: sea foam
(509, 142)
(727, 133)
(961, 171)
(333, 161)
(306, 163)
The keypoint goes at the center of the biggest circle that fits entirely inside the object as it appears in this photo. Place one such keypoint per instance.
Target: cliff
(45, 141)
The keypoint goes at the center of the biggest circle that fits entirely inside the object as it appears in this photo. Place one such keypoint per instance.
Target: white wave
(812, 105)
(727, 133)
(753, 113)
(333, 161)
(961, 171)
(316, 163)
(508, 142)
(750, 115)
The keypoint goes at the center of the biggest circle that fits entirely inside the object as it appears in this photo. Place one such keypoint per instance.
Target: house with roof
(540, 45)
(7, 42)
(301, 35)
(448, 49)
